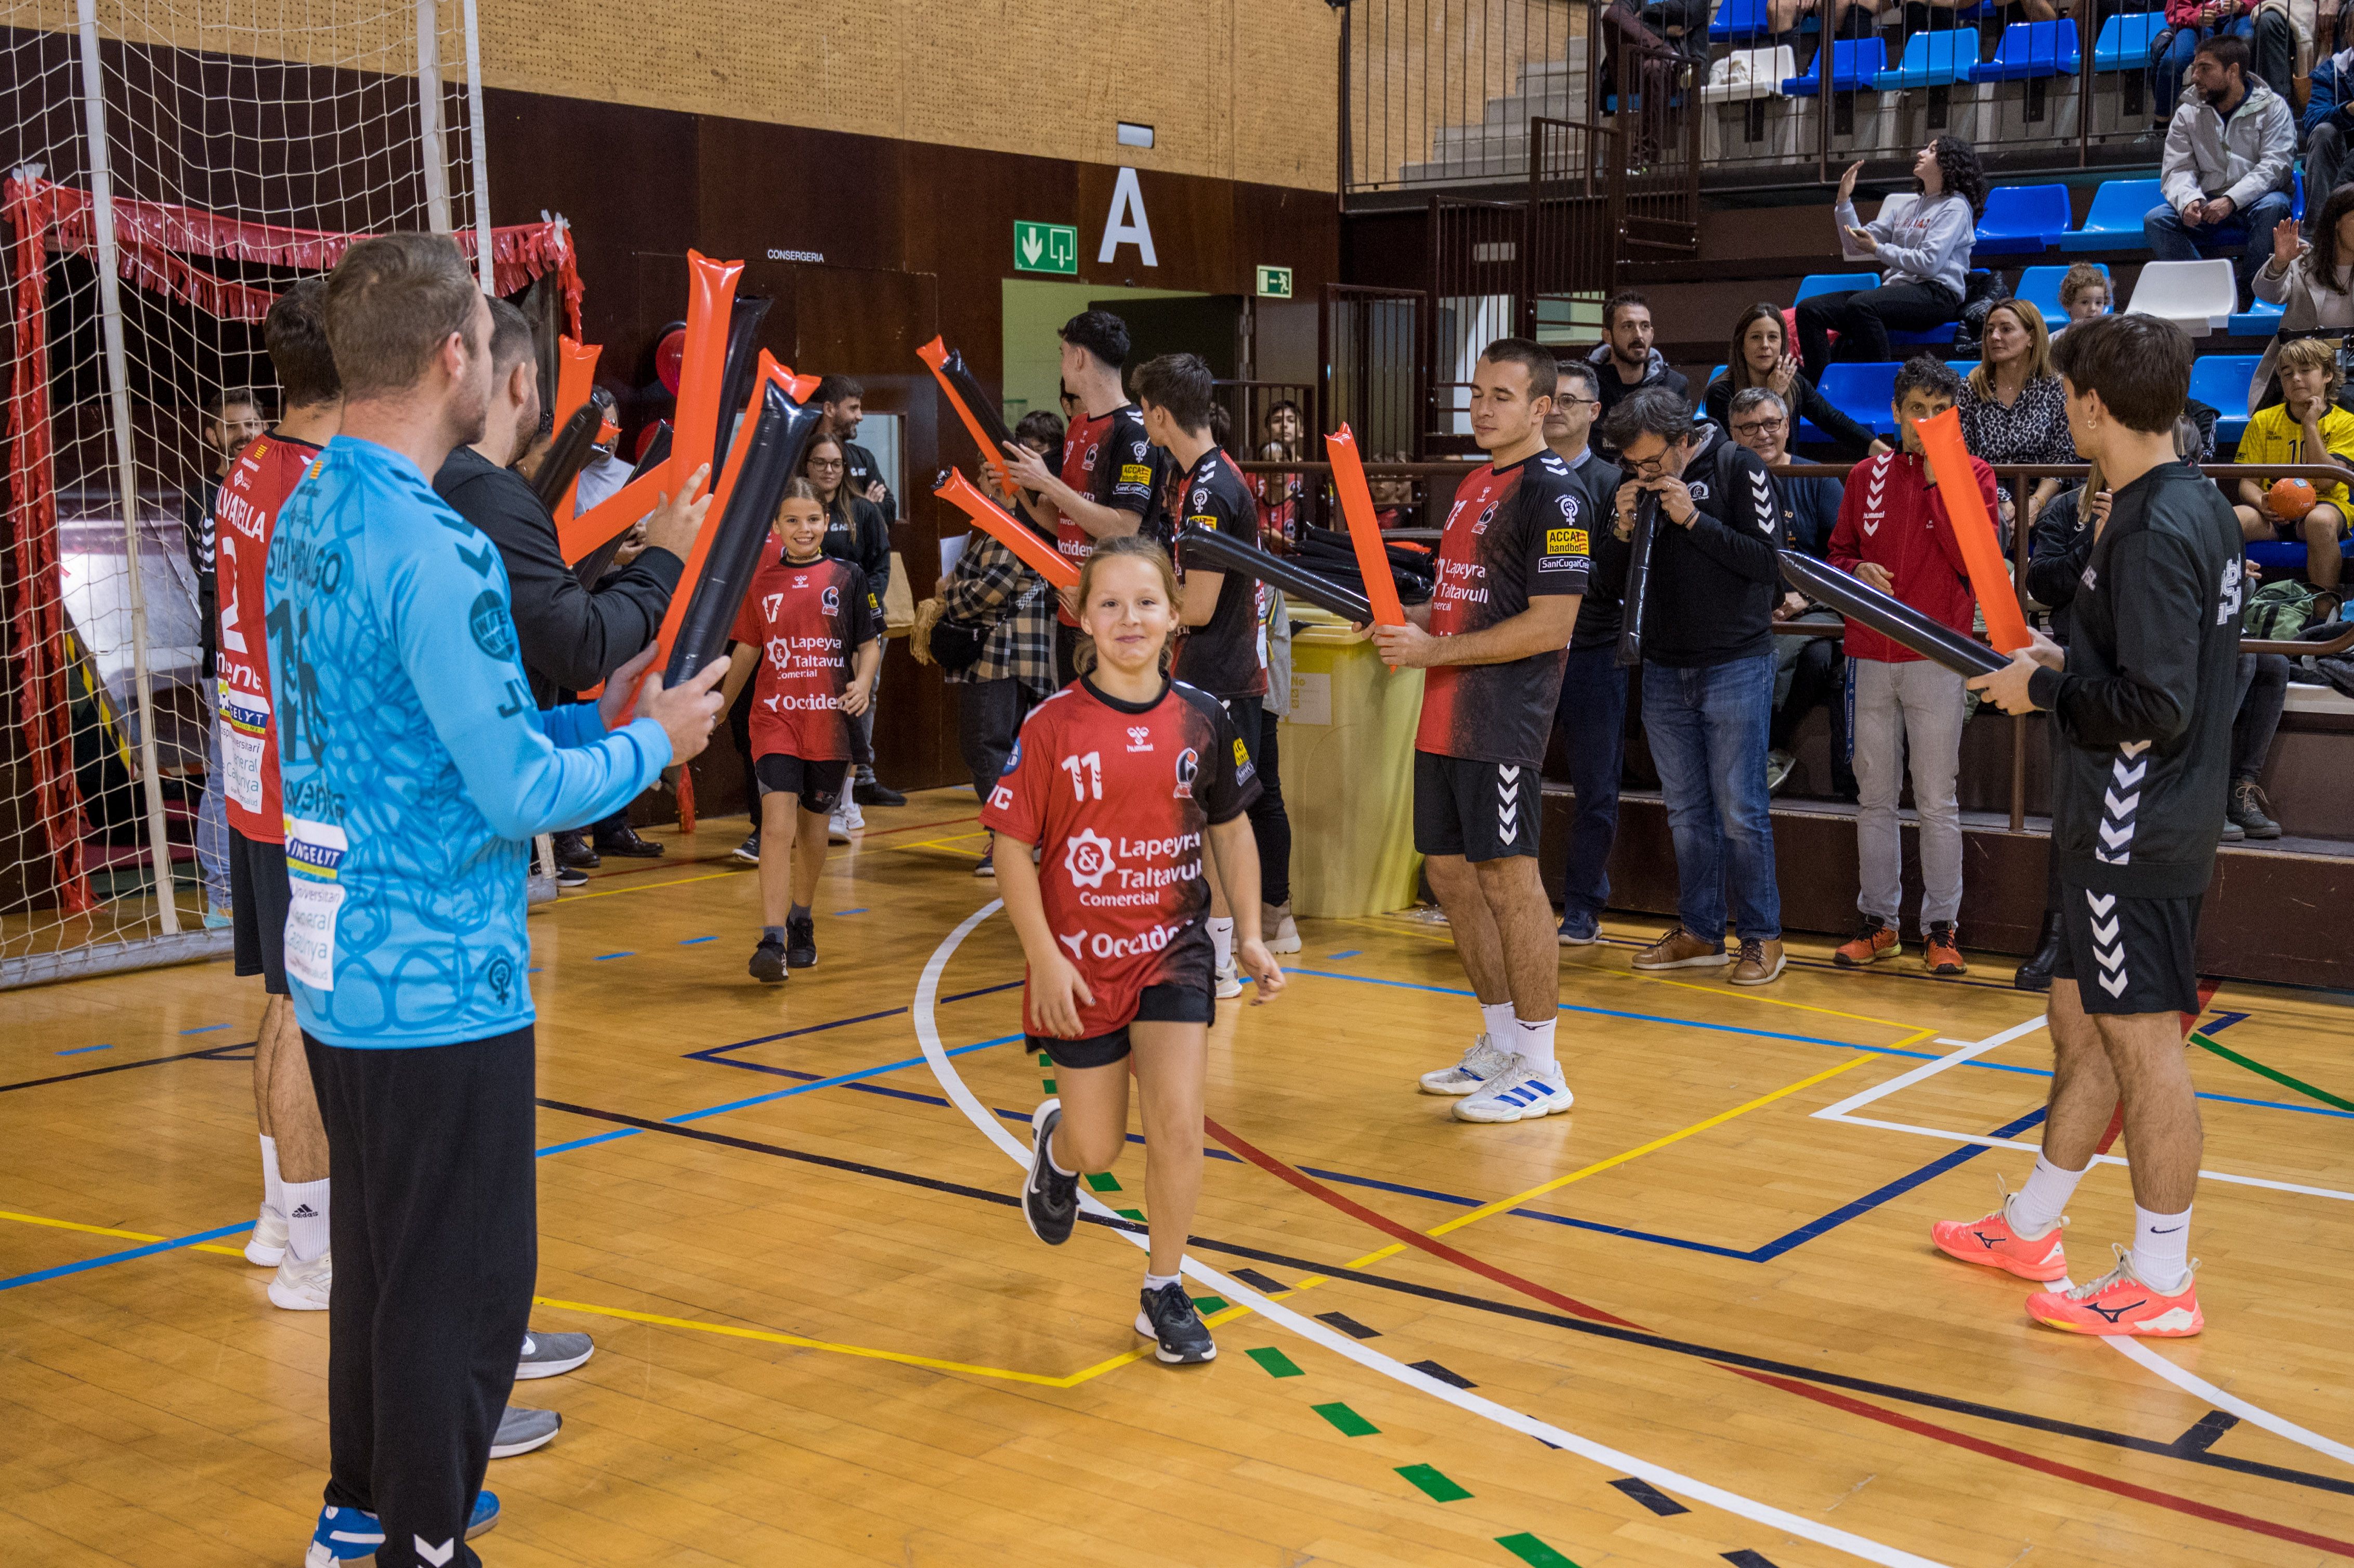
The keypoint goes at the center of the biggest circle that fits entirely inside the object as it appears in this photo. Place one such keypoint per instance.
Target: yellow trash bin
(1348, 773)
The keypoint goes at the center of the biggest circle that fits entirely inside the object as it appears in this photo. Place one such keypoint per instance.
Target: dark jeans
(2245, 237)
(1863, 317)
(2263, 698)
(436, 1236)
(1270, 822)
(1820, 680)
(1707, 729)
(1591, 715)
(989, 718)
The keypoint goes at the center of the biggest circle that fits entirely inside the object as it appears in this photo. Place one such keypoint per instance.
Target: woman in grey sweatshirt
(1923, 245)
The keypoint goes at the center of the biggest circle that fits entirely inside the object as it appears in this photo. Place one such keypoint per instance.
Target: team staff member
(415, 769)
(1221, 614)
(2142, 702)
(292, 1232)
(1591, 713)
(1124, 782)
(842, 403)
(1511, 569)
(1111, 473)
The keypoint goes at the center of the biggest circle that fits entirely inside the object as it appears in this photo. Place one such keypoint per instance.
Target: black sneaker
(748, 852)
(1050, 1200)
(801, 943)
(1167, 1314)
(571, 876)
(872, 792)
(768, 960)
(573, 850)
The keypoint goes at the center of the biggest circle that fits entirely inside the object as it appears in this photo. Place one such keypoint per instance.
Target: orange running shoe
(1992, 1242)
(1878, 940)
(2119, 1303)
(1941, 954)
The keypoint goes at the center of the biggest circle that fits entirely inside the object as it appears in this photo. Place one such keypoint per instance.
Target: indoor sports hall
(1615, 728)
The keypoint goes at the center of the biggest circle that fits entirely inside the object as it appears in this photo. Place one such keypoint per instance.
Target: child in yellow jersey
(2307, 427)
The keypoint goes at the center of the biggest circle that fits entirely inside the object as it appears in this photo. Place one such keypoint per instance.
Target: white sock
(1222, 940)
(306, 1218)
(1534, 1041)
(2039, 1207)
(2161, 1249)
(1155, 1281)
(1497, 1019)
(273, 1187)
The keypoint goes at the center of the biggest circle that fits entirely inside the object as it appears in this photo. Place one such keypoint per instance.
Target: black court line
(210, 1052)
(2175, 1449)
(1650, 1497)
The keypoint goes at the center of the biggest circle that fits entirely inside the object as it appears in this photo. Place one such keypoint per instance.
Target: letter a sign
(1126, 223)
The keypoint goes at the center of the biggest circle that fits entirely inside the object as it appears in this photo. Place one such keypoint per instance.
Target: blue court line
(1336, 958)
(82, 1049)
(602, 957)
(147, 1251)
(697, 941)
(718, 1052)
(839, 913)
(208, 1029)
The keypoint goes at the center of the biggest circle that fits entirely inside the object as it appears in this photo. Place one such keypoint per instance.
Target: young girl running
(813, 625)
(1120, 780)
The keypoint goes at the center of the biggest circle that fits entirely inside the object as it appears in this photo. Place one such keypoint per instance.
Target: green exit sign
(1045, 247)
(1275, 282)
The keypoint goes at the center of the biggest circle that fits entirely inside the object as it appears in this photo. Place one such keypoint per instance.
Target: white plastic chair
(1746, 74)
(2196, 296)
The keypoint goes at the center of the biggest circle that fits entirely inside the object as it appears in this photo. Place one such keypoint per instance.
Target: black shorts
(1158, 1004)
(2129, 955)
(258, 898)
(1480, 811)
(819, 784)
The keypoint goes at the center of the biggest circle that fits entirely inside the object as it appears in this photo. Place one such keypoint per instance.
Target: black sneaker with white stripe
(1167, 1317)
(1050, 1200)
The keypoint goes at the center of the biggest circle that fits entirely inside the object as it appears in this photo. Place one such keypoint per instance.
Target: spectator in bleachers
(2328, 124)
(2312, 282)
(2307, 426)
(1280, 496)
(1625, 362)
(2013, 408)
(2225, 176)
(1761, 357)
(2084, 295)
(2188, 23)
(1922, 245)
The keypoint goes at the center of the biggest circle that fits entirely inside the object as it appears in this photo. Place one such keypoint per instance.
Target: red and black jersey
(1513, 534)
(1107, 459)
(807, 617)
(1227, 655)
(244, 513)
(1119, 796)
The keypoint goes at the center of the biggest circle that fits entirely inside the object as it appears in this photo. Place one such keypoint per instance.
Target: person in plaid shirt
(990, 586)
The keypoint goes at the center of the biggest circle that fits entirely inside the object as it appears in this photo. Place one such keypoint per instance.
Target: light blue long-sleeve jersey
(414, 764)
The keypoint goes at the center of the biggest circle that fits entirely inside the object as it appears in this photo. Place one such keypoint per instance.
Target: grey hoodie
(1922, 240)
(2242, 158)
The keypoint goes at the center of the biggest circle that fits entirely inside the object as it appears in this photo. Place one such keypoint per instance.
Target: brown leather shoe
(1761, 963)
(1679, 949)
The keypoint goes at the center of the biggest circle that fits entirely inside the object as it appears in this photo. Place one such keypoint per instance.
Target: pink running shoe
(2119, 1303)
(1992, 1242)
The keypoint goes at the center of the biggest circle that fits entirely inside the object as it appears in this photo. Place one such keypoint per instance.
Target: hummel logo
(436, 1555)
(2100, 902)
(2114, 836)
(2114, 1313)
(2125, 777)
(2115, 987)
(2133, 748)
(2123, 808)
(303, 1212)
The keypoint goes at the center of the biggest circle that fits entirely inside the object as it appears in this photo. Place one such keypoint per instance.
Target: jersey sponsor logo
(1568, 504)
(1189, 768)
(1565, 541)
(494, 631)
(1206, 520)
(1104, 945)
(1242, 753)
(1560, 563)
(1001, 797)
(1140, 738)
(2227, 596)
(1138, 449)
(1486, 516)
(1013, 757)
(1135, 473)
(830, 601)
(1089, 858)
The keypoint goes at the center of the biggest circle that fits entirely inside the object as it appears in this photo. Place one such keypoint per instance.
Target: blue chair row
(1949, 57)
(1864, 392)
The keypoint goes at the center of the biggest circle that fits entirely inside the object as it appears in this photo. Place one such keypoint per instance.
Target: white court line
(1905, 1080)
(1667, 1480)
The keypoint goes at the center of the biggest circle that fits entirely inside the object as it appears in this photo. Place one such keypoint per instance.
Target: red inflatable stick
(576, 377)
(998, 524)
(710, 297)
(1941, 439)
(579, 537)
(1365, 532)
(948, 370)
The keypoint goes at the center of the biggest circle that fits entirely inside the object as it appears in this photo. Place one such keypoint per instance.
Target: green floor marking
(1437, 1487)
(1533, 1552)
(1207, 1304)
(1045, 1060)
(1351, 1423)
(1047, 1084)
(1136, 1214)
(2324, 1095)
(1274, 1362)
(1103, 1182)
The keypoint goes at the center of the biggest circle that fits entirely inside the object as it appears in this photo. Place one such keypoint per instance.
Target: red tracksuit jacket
(1892, 516)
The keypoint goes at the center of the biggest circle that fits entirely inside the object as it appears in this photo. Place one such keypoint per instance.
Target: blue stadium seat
(1936, 338)
(1862, 392)
(1815, 283)
(2114, 221)
(2032, 50)
(2022, 220)
(1962, 368)
(2284, 559)
(1854, 62)
(2220, 380)
(1737, 20)
(2126, 40)
(2039, 287)
(1931, 60)
(2297, 194)
(2261, 321)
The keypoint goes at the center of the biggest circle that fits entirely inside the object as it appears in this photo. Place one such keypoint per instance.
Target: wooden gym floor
(1697, 1320)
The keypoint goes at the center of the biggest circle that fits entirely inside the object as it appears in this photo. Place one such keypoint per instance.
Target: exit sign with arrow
(1045, 247)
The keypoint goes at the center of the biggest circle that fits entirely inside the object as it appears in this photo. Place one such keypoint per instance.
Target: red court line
(1505, 1277)
(919, 827)
(2212, 1514)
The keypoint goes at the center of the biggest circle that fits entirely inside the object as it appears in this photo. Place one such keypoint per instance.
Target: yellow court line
(940, 844)
(648, 887)
(110, 1230)
(1770, 1000)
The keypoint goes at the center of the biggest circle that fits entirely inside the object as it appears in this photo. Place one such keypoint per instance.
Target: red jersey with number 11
(258, 484)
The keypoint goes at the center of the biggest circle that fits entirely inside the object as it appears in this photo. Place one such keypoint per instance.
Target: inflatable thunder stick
(1639, 581)
(591, 540)
(711, 290)
(778, 423)
(980, 417)
(576, 383)
(559, 470)
(743, 363)
(1216, 552)
(1941, 439)
(1888, 616)
(993, 520)
(1364, 531)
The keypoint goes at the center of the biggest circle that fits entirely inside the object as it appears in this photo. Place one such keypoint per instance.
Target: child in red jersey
(812, 624)
(1121, 781)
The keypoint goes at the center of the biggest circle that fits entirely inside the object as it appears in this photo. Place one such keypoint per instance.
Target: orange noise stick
(1941, 439)
(1364, 532)
(993, 520)
(576, 376)
(577, 537)
(710, 296)
(948, 370)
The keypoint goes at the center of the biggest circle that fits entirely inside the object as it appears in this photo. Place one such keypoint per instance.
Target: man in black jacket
(2141, 703)
(842, 403)
(571, 637)
(1591, 711)
(1708, 671)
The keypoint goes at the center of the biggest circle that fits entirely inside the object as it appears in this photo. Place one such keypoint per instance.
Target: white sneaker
(303, 1287)
(1526, 1093)
(1479, 1064)
(1230, 982)
(265, 1247)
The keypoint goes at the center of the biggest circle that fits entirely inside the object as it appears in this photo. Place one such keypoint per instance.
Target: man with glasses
(1591, 713)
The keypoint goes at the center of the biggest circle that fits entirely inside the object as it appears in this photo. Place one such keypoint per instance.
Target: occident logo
(1089, 858)
(1189, 768)
(1104, 945)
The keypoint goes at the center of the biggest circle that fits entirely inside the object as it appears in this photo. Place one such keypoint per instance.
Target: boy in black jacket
(1708, 671)
(2141, 702)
